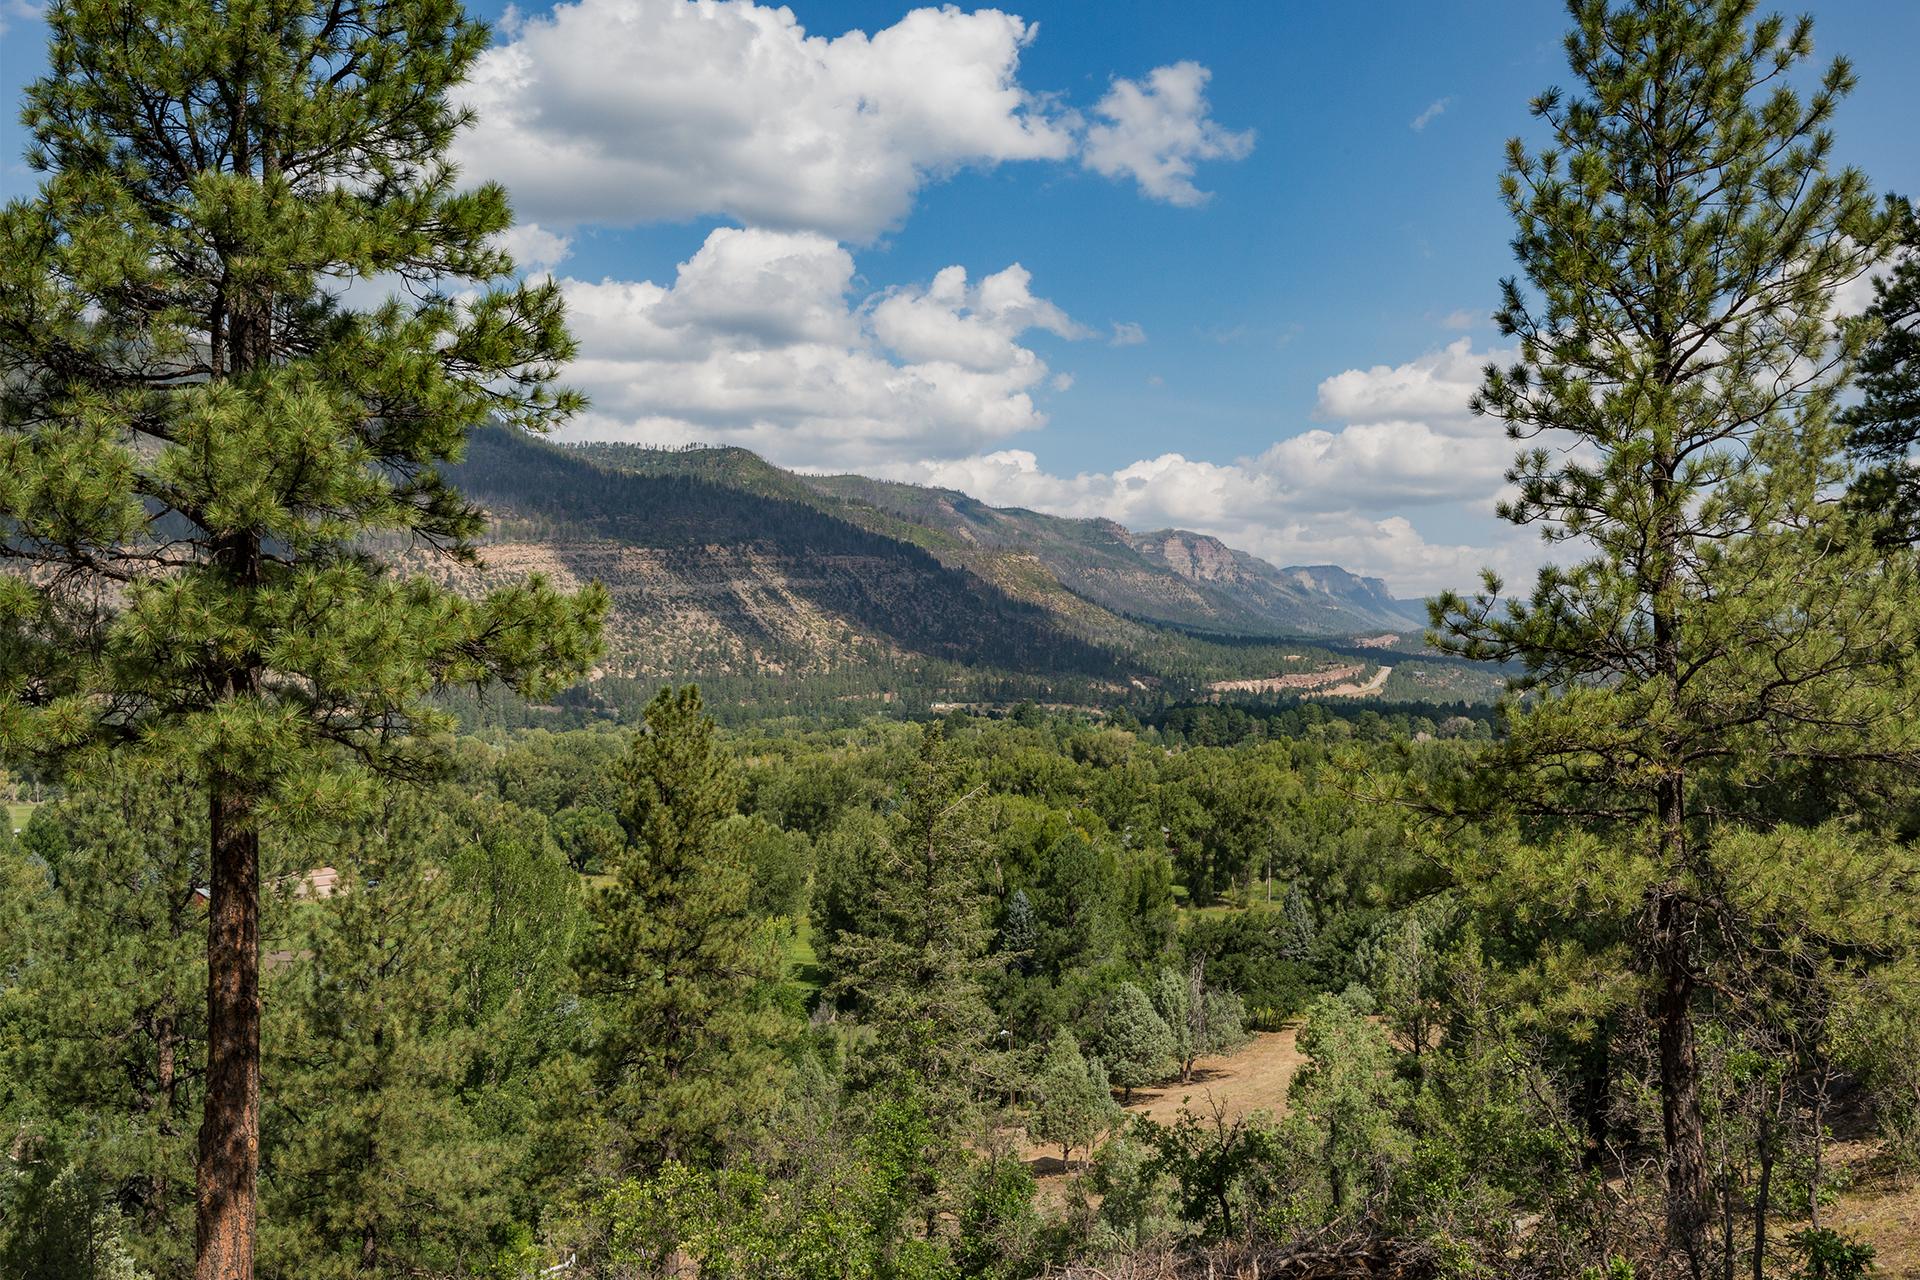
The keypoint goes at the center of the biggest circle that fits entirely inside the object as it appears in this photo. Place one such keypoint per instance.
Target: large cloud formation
(1323, 495)
(762, 341)
(619, 113)
(624, 112)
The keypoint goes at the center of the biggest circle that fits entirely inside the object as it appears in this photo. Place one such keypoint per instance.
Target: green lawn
(17, 815)
(1229, 906)
(804, 970)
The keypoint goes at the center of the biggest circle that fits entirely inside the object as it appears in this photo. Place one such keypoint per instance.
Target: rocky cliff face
(1191, 555)
(721, 564)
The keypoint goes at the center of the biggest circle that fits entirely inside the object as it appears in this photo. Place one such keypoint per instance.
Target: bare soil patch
(1252, 1078)
(1366, 690)
(1292, 680)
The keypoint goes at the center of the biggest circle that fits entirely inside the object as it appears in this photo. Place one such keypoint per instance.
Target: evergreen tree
(198, 438)
(1136, 1046)
(103, 1017)
(375, 1157)
(1884, 428)
(1019, 932)
(1406, 973)
(1076, 1102)
(679, 967)
(1298, 930)
(1682, 237)
(918, 966)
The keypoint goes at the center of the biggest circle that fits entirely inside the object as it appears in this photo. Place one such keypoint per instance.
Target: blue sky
(1291, 206)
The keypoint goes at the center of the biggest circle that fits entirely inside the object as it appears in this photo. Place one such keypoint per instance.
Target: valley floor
(1879, 1206)
(1252, 1078)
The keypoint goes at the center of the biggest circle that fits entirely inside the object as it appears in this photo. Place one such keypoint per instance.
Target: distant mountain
(725, 567)
(1171, 576)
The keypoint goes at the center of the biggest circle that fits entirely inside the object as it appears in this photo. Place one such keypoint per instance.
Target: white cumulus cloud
(1156, 132)
(1437, 385)
(534, 248)
(1256, 505)
(762, 340)
(630, 111)
(626, 112)
(1389, 490)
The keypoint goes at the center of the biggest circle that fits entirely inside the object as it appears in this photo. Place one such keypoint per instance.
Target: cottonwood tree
(201, 435)
(1681, 238)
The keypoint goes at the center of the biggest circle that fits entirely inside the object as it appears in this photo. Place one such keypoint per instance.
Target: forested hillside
(794, 593)
(1009, 897)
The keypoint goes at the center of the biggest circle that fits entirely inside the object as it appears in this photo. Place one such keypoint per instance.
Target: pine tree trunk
(230, 1129)
(227, 1175)
(1680, 1088)
(1819, 1153)
(166, 1085)
(1763, 1194)
(1673, 920)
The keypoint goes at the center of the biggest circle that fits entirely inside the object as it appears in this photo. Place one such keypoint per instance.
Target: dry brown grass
(1880, 1206)
(1252, 1078)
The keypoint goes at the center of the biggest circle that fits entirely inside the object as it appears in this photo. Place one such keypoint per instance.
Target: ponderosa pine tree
(199, 437)
(1885, 425)
(1681, 239)
(103, 1021)
(679, 966)
(376, 1160)
(918, 964)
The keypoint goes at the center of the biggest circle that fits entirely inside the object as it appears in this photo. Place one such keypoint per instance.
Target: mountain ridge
(724, 567)
(1253, 596)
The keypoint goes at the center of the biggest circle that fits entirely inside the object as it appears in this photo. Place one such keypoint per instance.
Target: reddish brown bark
(229, 1165)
